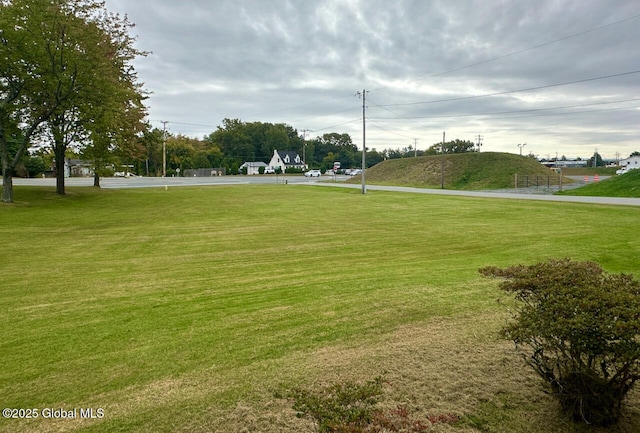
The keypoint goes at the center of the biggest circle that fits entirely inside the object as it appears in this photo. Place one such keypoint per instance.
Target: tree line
(235, 142)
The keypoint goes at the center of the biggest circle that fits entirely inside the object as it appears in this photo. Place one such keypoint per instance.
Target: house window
(286, 159)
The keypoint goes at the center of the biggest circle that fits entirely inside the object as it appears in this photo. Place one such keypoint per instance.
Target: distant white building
(286, 160)
(567, 163)
(630, 163)
(253, 167)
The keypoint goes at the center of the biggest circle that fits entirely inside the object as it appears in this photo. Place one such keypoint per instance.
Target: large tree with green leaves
(23, 107)
(66, 69)
(340, 145)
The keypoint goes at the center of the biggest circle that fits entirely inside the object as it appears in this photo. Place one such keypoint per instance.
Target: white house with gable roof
(286, 160)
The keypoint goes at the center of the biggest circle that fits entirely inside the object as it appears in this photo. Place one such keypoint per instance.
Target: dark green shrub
(579, 328)
(344, 407)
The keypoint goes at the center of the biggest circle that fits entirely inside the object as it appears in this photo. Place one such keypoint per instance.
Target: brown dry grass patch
(442, 366)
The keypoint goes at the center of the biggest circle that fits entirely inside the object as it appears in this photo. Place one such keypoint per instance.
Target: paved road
(503, 195)
(161, 182)
(326, 181)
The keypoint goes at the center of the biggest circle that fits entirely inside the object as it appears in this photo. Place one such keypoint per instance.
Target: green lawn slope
(466, 171)
(187, 309)
(625, 185)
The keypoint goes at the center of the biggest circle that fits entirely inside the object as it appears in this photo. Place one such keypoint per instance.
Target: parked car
(626, 169)
(269, 170)
(355, 172)
(313, 173)
(329, 173)
(123, 174)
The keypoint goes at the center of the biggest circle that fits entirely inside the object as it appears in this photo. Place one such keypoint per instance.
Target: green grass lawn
(625, 185)
(184, 310)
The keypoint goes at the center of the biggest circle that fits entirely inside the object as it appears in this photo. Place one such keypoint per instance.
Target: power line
(512, 111)
(528, 89)
(576, 112)
(306, 119)
(335, 126)
(381, 127)
(550, 114)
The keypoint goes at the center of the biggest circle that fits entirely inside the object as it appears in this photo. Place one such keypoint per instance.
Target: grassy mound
(466, 171)
(625, 185)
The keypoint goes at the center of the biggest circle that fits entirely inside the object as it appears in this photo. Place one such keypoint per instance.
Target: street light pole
(442, 162)
(164, 148)
(521, 146)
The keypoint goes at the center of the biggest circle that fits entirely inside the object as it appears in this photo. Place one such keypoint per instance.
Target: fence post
(516, 187)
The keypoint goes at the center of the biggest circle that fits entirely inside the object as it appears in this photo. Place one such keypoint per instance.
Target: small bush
(345, 407)
(579, 329)
(351, 408)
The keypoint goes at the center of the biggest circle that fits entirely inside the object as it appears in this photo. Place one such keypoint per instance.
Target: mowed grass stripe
(106, 293)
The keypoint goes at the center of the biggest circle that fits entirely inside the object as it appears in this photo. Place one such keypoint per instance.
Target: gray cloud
(301, 62)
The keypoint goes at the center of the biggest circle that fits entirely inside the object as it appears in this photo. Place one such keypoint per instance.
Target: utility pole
(442, 162)
(304, 146)
(364, 142)
(479, 143)
(164, 148)
(415, 147)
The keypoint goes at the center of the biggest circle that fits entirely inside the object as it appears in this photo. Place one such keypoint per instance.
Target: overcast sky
(428, 66)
